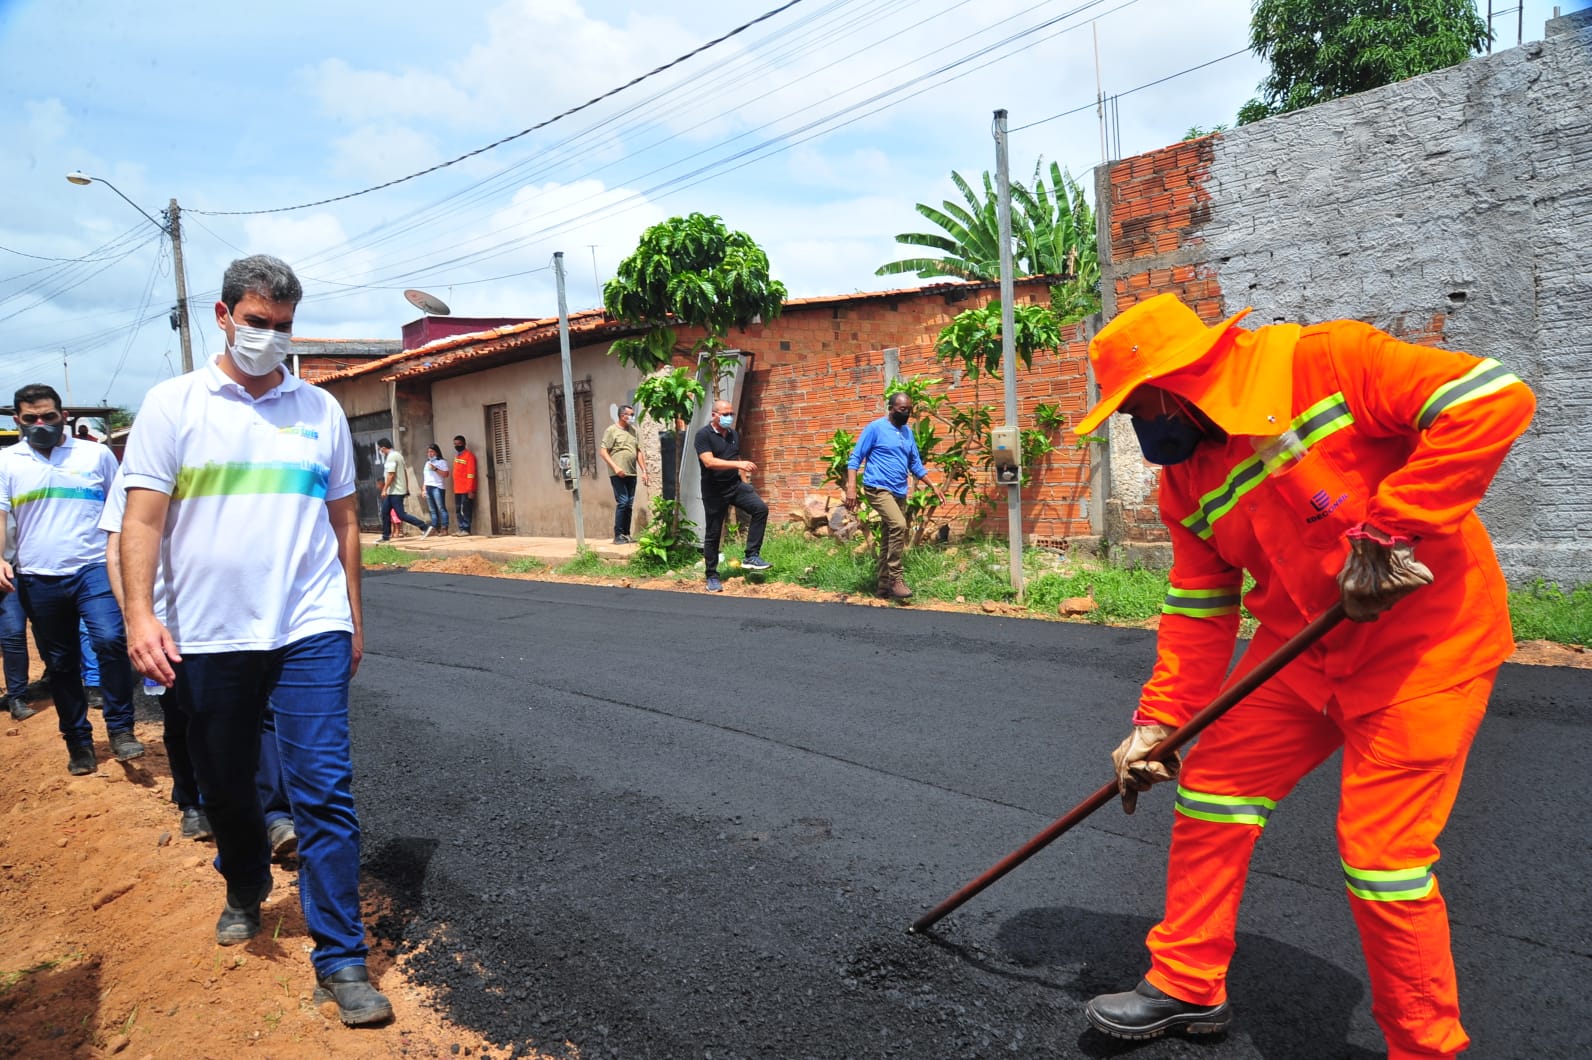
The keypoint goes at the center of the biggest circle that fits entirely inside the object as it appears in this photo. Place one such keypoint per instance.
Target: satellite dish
(427, 303)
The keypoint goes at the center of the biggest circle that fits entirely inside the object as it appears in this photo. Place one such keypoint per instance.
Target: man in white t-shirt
(240, 497)
(55, 486)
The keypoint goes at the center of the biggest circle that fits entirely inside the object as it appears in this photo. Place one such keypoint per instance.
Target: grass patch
(586, 564)
(385, 556)
(1131, 594)
(817, 563)
(524, 565)
(1543, 611)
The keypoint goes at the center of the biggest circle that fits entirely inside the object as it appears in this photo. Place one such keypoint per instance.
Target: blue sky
(815, 132)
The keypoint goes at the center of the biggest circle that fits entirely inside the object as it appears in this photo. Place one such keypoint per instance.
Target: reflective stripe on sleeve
(1389, 885)
(1224, 809)
(1488, 377)
(1201, 603)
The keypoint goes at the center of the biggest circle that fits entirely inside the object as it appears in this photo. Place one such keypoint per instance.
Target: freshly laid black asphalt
(658, 824)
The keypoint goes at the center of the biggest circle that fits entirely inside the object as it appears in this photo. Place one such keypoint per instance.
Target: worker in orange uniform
(463, 484)
(1329, 462)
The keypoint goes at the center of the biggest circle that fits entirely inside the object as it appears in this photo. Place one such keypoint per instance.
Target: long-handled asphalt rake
(1229, 698)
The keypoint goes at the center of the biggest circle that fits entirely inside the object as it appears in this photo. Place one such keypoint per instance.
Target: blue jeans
(437, 501)
(624, 501)
(464, 507)
(394, 502)
(85, 647)
(14, 643)
(55, 603)
(305, 684)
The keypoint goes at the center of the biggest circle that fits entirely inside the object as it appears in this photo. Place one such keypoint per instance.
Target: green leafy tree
(1053, 234)
(974, 337)
(1325, 49)
(119, 417)
(687, 272)
(693, 272)
(1053, 231)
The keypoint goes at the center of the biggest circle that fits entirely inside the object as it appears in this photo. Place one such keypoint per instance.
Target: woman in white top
(434, 476)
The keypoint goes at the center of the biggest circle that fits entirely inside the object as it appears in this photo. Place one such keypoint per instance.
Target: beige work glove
(1134, 774)
(1381, 570)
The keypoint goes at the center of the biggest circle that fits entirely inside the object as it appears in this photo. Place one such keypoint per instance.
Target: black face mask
(44, 435)
(1167, 440)
(900, 418)
(458, 449)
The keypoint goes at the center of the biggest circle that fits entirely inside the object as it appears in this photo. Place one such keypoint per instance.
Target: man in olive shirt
(621, 451)
(394, 488)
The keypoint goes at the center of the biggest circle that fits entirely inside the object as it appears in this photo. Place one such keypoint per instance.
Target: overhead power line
(764, 17)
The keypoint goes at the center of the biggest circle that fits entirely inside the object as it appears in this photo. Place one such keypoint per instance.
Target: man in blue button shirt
(888, 452)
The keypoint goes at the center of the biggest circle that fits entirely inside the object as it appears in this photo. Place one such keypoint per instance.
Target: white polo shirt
(56, 500)
(248, 560)
(111, 523)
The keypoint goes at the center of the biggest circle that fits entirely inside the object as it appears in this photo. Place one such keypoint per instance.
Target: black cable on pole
(764, 17)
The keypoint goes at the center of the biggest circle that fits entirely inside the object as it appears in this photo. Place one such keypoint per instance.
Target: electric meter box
(1005, 445)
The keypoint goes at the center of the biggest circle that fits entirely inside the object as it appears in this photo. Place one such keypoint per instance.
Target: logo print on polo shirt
(1324, 505)
(299, 429)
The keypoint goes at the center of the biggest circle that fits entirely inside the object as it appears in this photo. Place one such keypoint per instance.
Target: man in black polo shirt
(718, 447)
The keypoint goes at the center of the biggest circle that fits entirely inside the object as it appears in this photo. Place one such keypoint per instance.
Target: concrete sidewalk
(499, 548)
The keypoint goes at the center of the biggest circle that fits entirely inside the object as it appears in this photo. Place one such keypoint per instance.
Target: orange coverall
(1406, 438)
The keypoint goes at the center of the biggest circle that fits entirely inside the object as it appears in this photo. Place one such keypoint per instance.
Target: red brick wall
(820, 368)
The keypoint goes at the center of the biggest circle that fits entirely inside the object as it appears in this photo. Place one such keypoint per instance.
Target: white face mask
(259, 351)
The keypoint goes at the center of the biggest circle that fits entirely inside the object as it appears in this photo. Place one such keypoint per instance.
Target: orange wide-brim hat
(1147, 341)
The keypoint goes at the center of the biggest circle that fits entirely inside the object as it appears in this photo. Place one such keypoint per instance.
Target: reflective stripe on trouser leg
(1401, 772)
(309, 696)
(1242, 767)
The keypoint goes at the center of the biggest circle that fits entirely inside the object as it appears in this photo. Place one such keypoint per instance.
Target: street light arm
(80, 178)
(174, 232)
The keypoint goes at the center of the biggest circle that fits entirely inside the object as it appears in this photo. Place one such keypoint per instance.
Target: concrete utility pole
(1003, 213)
(174, 229)
(570, 436)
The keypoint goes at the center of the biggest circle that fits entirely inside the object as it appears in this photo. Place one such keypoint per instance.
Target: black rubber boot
(1145, 1012)
(18, 706)
(358, 1002)
(240, 917)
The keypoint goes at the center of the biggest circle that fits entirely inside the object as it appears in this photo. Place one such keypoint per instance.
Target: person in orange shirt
(463, 484)
(1332, 463)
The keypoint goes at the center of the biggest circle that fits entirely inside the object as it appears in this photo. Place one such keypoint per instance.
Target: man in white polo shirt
(240, 495)
(54, 485)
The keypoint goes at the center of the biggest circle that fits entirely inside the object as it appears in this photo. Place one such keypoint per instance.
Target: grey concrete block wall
(1459, 202)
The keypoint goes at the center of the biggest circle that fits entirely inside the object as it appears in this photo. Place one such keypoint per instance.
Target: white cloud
(375, 152)
(371, 95)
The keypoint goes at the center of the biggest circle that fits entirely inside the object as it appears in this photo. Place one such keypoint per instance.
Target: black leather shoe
(195, 825)
(20, 711)
(126, 746)
(80, 760)
(1145, 1012)
(358, 1002)
(240, 917)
